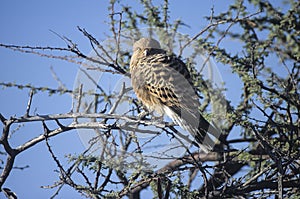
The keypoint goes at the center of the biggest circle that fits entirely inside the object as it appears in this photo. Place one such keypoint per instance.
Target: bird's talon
(158, 118)
(142, 115)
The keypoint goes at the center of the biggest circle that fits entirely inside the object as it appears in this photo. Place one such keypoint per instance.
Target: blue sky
(29, 23)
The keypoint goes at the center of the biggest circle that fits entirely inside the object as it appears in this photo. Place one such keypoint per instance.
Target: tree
(116, 164)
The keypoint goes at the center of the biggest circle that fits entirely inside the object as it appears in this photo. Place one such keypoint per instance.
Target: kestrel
(163, 83)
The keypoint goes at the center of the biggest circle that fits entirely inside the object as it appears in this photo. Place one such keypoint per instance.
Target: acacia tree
(265, 120)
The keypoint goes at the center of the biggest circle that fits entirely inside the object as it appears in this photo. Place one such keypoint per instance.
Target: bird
(162, 82)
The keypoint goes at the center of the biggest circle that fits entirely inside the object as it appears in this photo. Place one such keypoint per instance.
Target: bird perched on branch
(163, 83)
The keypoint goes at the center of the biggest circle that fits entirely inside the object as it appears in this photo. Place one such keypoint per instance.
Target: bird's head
(146, 43)
(142, 47)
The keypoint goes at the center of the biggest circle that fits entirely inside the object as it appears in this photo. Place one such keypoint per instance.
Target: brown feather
(163, 83)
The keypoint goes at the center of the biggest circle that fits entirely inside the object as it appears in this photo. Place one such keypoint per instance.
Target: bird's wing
(171, 83)
(165, 80)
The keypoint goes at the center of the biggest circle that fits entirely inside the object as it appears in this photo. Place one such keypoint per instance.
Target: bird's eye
(146, 52)
(137, 49)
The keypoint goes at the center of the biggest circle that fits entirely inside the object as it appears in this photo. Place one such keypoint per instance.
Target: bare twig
(72, 59)
(213, 24)
(79, 97)
(60, 83)
(11, 153)
(29, 103)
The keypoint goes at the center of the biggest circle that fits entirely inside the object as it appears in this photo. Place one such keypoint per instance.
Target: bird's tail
(196, 125)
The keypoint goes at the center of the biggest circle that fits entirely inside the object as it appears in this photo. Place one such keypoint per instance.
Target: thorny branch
(213, 24)
(280, 175)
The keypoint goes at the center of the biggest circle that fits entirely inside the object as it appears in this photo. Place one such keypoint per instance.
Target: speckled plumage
(163, 83)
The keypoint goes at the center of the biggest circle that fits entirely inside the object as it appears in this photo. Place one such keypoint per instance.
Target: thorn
(9, 194)
(29, 103)
(2, 118)
(59, 124)
(46, 129)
